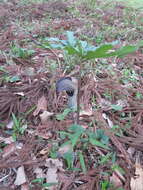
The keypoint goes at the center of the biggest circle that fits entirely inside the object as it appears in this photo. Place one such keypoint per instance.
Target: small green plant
(69, 157)
(5, 76)
(117, 130)
(129, 75)
(85, 51)
(78, 136)
(11, 79)
(21, 52)
(105, 185)
(18, 127)
(62, 116)
(41, 182)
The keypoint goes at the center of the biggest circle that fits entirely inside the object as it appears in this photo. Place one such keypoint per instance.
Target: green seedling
(129, 75)
(21, 52)
(85, 51)
(18, 128)
(69, 158)
(108, 157)
(77, 134)
(117, 130)
(106, 185)
(82, 162)
(5, 76)
(62, 116)
(41, 182)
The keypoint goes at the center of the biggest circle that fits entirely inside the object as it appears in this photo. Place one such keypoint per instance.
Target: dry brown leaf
(85, 126)
(20, 177)
(41, 106)
(7, 140)
(105, 104)
(131, 151)
(54, 163)
(110, 123)
(25, 186)
(39, 173)
(87, 112)
(44, 132)
(29, 71)
(114, 179)
(137, 182)
(122, 103)
(11, 148)
(60, 55)
(45, 116)
(44, 151)
(51, 175)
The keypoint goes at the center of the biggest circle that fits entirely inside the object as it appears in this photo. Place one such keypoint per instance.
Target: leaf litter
(119, 104)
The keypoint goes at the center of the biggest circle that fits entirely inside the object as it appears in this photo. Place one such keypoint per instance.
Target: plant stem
(78, 96)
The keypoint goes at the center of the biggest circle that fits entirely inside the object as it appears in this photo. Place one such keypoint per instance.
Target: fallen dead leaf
(29, 71)
(105, 104)
(20, 93)
(51, 175)
(11, 148)
(44, 151)
(60, 55)
(25, 186)
(122, 103)
(41, 106)
(87, 112)
(44, 132)
(8, 150)
(21, 177)
(7, 140)
(39, 173)
(45, 116)
(131, 151)
(137, 182)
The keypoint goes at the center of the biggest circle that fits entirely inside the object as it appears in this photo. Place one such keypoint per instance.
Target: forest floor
(41, 147)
